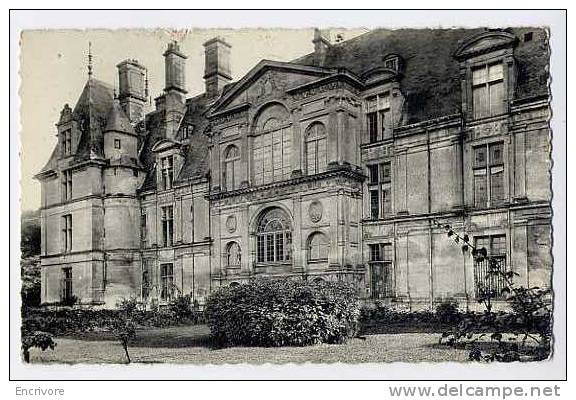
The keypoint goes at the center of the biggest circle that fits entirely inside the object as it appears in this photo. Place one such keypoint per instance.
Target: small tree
(124, 329)
(531, 317)
(40, 340)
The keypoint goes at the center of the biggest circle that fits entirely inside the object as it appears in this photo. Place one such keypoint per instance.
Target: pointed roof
(117, 120)
(90, 112)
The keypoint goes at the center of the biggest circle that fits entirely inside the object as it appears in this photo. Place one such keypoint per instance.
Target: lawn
(191, 345)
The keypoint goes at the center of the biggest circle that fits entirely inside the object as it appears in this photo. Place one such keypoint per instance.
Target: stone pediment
(485, 42)
(379, 75)
(267, 80)
(164, 145)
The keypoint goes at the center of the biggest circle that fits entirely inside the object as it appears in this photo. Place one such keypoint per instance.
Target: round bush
(283, 312)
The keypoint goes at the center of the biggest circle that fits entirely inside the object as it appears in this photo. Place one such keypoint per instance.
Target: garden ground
(191, 345)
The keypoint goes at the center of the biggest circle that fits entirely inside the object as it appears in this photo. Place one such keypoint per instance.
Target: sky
(53, 71)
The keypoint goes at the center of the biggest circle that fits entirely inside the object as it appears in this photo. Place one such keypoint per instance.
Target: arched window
(272, 146)
(316, 152)
(274, 237)
(318, 280)
(234, 284)
(318, 247)
(230, 168)
(233, 255)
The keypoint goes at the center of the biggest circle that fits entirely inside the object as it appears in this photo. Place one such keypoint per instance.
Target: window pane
(480, 190)
(495, 72)
(374, 206)
(479, 76)
(322, 155)
(496, 153)
(372, 127)
(385, 172)
(373, 173)
(496, 98)
(375, 252)
(386, 200)
(480, 101)
(311, 157)
(497, 185)
(498, 245)
(480, 156)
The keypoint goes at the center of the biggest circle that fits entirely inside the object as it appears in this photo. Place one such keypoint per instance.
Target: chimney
(175, 88)
(174, 65)
(132, 93)
(216, 66)
(321, 45)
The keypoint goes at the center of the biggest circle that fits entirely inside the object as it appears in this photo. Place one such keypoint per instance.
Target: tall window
(316, 152)
(167, 172)
(381, 272)
(378, 117)
(380, 190)
(144, 228)
(67, 233)
(66, 293)
(166, 281)
(495, 246)
(231, 168)
(489, 175)
(233, 255)
(67, 142)
(167, 226)
(274, 237)
(146, 278)
(318, 247)
(488, 90)
(67, 185)
(272, 152)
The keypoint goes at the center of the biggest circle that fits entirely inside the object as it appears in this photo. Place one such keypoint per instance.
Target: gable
(485, 42)
(268, 80)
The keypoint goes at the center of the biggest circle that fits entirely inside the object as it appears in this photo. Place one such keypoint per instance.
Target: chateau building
(333, 166)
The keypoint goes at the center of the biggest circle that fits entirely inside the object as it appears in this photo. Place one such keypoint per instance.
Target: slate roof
(117, 120)
(91, 112)
(431, 80)
(430, 83)
(196, 163)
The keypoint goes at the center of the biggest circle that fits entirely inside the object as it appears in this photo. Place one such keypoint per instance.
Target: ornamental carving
(315, 211)
(231, 224)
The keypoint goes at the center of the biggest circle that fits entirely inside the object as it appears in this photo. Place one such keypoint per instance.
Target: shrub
(447, 312)
(269, 312)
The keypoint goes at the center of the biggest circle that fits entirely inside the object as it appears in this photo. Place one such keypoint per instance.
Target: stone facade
(332, 166)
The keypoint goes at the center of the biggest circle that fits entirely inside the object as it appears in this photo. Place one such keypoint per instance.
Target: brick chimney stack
(217, 66)
(132, 91)
(174, 90)
(321, 45)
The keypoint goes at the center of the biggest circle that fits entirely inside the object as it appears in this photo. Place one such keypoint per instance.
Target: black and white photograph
(277, 195)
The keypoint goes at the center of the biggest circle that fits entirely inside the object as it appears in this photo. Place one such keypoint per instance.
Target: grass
(191, 345)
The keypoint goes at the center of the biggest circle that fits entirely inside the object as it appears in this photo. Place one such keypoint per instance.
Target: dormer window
(377, 117)
(117, 144)
(391, 63)
(67, 141)
(488, 90)
(167, 172)
(488, 72)
(187, 131)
